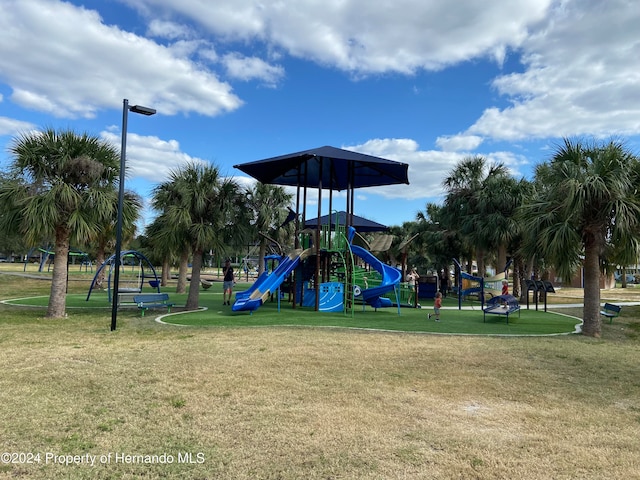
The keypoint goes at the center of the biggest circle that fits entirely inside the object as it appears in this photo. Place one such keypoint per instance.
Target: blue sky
(423, 82)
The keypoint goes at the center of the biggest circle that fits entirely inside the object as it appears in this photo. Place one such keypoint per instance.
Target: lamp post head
(142, 110)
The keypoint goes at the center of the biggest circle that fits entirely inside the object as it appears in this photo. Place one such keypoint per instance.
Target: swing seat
(126, 296)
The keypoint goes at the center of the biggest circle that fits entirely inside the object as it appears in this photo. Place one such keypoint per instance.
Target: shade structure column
(317, 242)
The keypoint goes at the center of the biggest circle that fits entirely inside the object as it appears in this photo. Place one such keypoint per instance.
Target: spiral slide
(390, 278)
(268, 284)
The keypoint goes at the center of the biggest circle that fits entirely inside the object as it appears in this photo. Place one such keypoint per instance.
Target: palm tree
(105, 237)
(586, 198)
(441, 238)
(162, 245)
(198, 204)
(497, 203)
(269, 206)
(622, 254)
(62, 186)
(470, 186)
(170, 237)
(11, 241)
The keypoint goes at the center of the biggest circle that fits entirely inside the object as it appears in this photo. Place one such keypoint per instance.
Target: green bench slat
(610, 311)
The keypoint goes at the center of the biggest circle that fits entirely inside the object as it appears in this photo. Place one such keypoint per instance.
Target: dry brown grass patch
(291, 403)
(307, 403)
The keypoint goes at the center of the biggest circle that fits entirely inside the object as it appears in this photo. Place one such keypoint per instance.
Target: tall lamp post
(123, 150)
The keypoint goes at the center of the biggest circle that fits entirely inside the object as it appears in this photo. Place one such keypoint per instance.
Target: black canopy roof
(359, 223)
(341, 169)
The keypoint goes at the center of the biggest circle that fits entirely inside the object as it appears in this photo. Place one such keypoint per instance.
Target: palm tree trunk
(592, 322)
(100, 254)
(194, 286)
(182, 272)
(261, 254)
(518, 277)
(502, 258)
(166, 270)
(480, 261)
(58, 295)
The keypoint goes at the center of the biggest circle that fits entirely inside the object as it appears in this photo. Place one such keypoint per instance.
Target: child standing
(437, 304)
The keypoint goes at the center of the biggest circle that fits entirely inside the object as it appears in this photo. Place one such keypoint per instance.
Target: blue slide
(265, 285)
(391, 277)
(256, 284)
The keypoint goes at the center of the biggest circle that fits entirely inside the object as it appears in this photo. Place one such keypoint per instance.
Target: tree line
(581, 209)
(62, 189)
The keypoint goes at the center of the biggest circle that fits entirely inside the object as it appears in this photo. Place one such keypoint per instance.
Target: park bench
(153, 300)
(610, 311)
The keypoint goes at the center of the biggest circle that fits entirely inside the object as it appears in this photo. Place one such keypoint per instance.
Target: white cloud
(97, 65)
(365, 37)
(581, 77)
(454, 143)
(579, 71)
(245, 182)
(149, 157)
(185, 48)
(427, 168)
(249, 68)
(11, 126)
(168, 29)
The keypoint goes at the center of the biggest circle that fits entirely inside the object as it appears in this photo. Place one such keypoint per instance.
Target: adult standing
(227, 282)
(445, 283)
(412, 281)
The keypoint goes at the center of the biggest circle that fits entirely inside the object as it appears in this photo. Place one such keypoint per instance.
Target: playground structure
(46, 255)
(468, 285)
(502, 305)
(480, 286)
(499, 303)
(328, 268)
(539, 288)
(249, 262)
(135, 269)
(342, 284)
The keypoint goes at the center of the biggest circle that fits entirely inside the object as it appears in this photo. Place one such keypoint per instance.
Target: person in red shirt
(437, 305)
(505, 287)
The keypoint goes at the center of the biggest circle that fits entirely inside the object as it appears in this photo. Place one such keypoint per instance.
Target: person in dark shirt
(227, 282)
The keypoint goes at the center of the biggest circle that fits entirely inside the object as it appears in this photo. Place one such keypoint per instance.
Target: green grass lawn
(469, 320)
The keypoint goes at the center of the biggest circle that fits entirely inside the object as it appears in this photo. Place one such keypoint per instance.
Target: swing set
(135, 268)
(46, 255)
